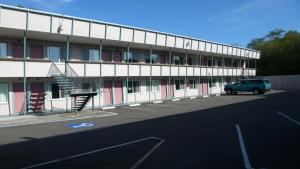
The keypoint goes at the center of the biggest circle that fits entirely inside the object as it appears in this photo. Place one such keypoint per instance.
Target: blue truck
(256, 86)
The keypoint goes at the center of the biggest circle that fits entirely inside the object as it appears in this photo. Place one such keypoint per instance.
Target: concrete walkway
(49, 118)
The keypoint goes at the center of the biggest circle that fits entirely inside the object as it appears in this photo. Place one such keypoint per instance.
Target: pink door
(107, 92)
(18, 90)
(201, 87)
(172, 88)
(17, 50)
(36, 51)
(117, 56)
(118, 92)
(205, 87)
(163, 89)
(37, 96)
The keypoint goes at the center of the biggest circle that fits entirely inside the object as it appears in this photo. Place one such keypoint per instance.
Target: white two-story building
(41, 52)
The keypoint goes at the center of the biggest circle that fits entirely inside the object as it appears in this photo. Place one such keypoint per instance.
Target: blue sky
(226, 21)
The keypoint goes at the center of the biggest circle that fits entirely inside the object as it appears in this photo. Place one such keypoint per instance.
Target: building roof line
(120, 25)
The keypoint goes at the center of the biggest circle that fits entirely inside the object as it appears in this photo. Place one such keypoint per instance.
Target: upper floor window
(3, 50)
(56, 54)
(3, 93)
(155, 58)
(178, 60)
(131, 57)
(89, 54)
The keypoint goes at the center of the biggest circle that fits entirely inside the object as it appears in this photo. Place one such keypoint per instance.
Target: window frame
(6, 50)
(60, 59)
(181, 84)
(155, 86)
(6, 94)
(131, 83)
(61, 94)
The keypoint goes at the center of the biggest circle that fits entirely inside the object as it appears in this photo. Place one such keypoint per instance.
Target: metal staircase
(69, 83)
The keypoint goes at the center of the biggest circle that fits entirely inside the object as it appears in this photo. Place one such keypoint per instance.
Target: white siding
(97, 30)
(39, 22)
(208, 47)
(214, 48)
(225, 50)
(66, 25)
(150, 38)
(121, 70)
(161, 39)
(195, 45)
(13, 19)
(126, 34)
(220, 49)
(165, 71)
(93, 70)
(187, 44)
(37, 69)
(201, 46)
(112, 32)
(179, 42)
(81, 28)
(145, 70)
(139, 36)
(170, 41)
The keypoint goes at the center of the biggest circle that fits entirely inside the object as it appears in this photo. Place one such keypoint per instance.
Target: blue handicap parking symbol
(80, 125)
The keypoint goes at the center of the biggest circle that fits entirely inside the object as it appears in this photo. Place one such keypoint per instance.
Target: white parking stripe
(147, 155)
(243, 148)
(91, 152)
(282, 114)
(137, 108)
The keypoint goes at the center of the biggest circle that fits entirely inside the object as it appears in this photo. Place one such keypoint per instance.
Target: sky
(234, 22)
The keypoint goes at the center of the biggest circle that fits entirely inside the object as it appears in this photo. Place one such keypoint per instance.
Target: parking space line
(289, 118)
(137, 108)
(91, 152)
(147, 154)
(243, 148)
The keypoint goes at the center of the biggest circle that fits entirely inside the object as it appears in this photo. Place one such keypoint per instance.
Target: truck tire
(255, 91)
(228, 91)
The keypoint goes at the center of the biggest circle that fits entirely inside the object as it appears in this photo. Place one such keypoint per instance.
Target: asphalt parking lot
(238, 131)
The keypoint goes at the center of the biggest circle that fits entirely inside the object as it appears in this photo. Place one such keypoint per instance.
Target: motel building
(51, 62)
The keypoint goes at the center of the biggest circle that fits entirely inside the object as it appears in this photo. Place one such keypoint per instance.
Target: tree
(280, 52)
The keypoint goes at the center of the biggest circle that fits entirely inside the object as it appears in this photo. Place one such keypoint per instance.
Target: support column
(150, 78)
(113, 92)
(232, 66)
(100, 76)
(185, 77)
(127, 78)
(24, 70)
(66, 62)
(169, 80)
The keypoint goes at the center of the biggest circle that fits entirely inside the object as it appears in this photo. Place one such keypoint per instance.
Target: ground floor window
(192, 84)
(155, 86)
(3, 93)
(212, 83)
(57, 92)
(133, 87)
(179, 84)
